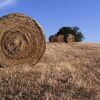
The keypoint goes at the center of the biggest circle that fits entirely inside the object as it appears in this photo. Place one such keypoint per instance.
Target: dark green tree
(71, 30)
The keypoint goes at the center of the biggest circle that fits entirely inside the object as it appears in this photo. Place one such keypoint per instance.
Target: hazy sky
(53, 14)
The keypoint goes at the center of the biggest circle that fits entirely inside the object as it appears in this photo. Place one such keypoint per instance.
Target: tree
(71, 30)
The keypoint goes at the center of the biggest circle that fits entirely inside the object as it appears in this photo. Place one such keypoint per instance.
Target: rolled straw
(71, 38)
(53, 38)
(22, 40)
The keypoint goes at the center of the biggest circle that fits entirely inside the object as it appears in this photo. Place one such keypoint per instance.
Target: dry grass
(65, 72)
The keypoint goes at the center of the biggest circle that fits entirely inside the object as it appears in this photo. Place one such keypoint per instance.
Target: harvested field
(65, 72)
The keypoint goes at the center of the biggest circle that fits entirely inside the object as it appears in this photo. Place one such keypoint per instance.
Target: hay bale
(22, 40)
(60, 38)
(53, 38)
(70, 38)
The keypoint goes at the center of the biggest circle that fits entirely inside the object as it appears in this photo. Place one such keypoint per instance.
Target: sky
(54, 14)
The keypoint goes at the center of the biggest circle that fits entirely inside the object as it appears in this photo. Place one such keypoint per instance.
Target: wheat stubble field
(65, 72)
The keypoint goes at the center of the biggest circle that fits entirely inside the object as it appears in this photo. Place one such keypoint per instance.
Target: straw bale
(22, 40)
(60, 38)
(53, 38)
(70, 38)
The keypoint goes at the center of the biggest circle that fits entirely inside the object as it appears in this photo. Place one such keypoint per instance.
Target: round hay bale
(22, 40)
(53, 38)
(70, 38)
(60, 38)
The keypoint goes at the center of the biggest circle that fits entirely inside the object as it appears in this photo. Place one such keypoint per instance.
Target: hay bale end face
(70, 38)
(60, 38)
(22, 40)
(53, 38)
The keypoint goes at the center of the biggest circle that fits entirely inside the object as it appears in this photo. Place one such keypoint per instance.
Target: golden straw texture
(22, 40)
(53, 38)
(60, 38)
(70, 38)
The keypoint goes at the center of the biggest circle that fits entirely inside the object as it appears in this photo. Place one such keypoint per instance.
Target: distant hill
(65, 72)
